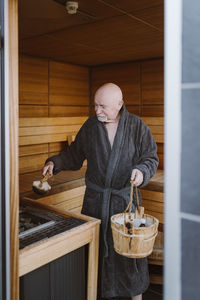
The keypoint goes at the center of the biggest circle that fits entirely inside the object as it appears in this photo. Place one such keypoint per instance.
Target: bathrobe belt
(107, 192)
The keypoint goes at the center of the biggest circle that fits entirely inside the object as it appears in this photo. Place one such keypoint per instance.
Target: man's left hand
(137, 177)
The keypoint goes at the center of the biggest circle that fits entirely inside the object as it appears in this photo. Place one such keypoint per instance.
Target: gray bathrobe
(107, 191)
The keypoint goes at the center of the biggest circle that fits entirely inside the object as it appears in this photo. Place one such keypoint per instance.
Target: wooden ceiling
(111, 30)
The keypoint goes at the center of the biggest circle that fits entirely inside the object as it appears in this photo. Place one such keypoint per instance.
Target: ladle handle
(129, 207)
(45, 178)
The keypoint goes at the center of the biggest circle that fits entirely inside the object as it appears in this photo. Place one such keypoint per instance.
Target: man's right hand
(48, 168)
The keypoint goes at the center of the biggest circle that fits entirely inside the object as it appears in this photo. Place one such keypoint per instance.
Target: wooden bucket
(131, 241)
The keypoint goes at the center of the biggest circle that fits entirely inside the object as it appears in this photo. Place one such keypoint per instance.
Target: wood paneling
(33, 149)
(13, 173)
(134, 109)
(141, 84)
(32, 163)
(127, 76)
(56, 147)
(68, 111)
(68, 84)
(33, 81)
(152, 110)
(23, 122)
(49, 88)
(152, 82)
(30, 111)
(156, 126)
(45, 130)
(38, 137)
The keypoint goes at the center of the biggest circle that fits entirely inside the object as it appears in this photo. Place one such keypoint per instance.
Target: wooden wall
(52, 89)
(49, 89)
(141, 84)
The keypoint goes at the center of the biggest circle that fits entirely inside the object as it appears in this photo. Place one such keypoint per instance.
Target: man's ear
(121, 102)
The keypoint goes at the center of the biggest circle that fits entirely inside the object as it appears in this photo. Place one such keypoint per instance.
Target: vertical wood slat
(126, 75)
(68, 84)
(143, 90)
(33, 80)
(14, 182)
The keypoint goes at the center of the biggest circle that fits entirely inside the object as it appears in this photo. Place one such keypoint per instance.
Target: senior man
(118, 147)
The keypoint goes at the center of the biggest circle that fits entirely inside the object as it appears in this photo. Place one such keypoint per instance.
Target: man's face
(106, 108)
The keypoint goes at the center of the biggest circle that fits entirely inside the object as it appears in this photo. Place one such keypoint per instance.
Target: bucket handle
(129, 206)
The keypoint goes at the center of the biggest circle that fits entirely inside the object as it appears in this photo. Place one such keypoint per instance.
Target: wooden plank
(159, 241)
(13, 84)
(71, 203)
(161, 160)
(32, 163)
(56, 147)
(153, 205)
(152, 110)
(134, 109)
(46, 130)
(63, 82)
(62, 196)
(27, 122)
(160, 148)
(155, 262)
(156, 279)
(49, 138)
(154, 121)
(156, 129)
(76, 209)
(68, 111)
(157, 215)
(151, 195)
(152, 82)
(33, 80)
(33, 149)
(126, 75)
(33, 111)
(158, 138)
(93, 265)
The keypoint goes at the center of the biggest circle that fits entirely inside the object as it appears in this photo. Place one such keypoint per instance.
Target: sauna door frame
(172, 140)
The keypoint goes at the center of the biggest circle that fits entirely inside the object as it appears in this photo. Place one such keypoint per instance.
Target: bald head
(109, 92)
(108, 102)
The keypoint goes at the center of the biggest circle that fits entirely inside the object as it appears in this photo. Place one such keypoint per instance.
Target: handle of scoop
(129, 206)
(45, 178)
